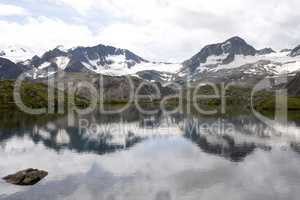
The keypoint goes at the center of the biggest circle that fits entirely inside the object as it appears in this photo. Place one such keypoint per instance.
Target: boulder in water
(26, 177)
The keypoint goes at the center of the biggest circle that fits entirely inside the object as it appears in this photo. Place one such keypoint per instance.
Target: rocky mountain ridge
(232, 60)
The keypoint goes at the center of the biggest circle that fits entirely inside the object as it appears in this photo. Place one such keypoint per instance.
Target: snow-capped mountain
(233, 61)
(17, 54)
(99, 59)
(236, 60)
(221, 53)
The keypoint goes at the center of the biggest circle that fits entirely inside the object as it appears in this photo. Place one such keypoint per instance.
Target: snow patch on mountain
(118, 59)
(161, 67)
(119, 67)
(213, 59)
(280, 62)
(62, 62)
(118, 64)
(44, 65)
(238, 61)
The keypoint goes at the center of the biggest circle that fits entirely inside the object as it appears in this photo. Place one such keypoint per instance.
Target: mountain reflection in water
(135, 156)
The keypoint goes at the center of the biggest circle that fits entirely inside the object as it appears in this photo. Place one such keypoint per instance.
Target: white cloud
(44, 33)
(164, 29)
(174, 29)
(11, 10)
(82, 6)
(154, 41)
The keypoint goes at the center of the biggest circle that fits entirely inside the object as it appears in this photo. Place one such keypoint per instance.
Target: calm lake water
(131, 156)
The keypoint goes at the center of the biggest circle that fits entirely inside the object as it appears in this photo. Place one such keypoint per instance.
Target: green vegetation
(267, 107)
(34, 95)
(237, 99)
(268, 104)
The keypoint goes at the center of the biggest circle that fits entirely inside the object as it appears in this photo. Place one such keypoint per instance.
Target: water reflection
(133, 156)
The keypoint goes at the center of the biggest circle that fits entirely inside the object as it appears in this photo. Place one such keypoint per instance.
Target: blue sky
(162, 30)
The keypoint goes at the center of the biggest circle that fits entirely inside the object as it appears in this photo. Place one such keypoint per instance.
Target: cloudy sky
(168, 30)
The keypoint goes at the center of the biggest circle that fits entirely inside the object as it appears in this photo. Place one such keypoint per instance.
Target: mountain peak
(238, 46)
(61, 48)
(82, 59)
(236, 39)
(226, 51)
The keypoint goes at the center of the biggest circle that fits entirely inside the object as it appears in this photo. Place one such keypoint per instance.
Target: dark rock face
(102, 51)
(265, 51)
(293, 86)
(47, 57)
(295, 52)
(9, 70)
(121, 88)
(233, 46)
(26, 177)
(116, 88)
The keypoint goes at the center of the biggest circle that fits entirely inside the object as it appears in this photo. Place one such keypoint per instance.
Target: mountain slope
(294, 86)
(232, 61)
(9, 70)
(295, 52)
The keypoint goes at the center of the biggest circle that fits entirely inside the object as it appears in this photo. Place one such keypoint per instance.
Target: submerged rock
(26, 177)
